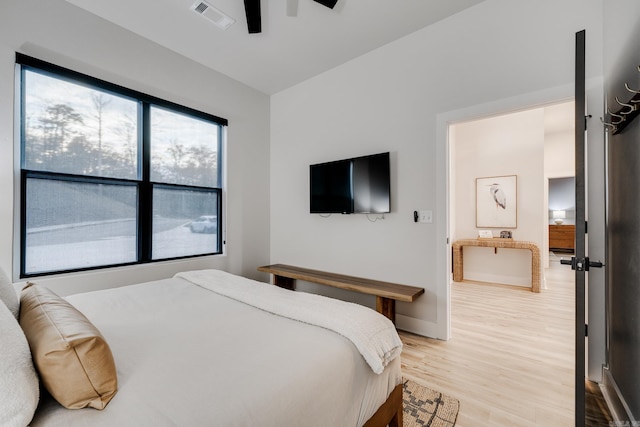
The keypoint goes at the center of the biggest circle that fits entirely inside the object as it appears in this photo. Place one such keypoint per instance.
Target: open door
(580, 263)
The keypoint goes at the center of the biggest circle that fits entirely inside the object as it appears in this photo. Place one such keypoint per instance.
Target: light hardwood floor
(510, 360)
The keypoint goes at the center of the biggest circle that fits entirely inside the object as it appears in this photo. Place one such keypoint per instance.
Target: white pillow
(8, 294)
(19, 388)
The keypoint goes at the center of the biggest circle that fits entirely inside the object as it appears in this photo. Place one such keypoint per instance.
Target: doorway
(562, 218)
(534, 145)
(537, 146)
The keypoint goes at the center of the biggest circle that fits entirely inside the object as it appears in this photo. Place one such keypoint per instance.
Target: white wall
(559, 155)
(511, 144)
(391, 100)
(56, 31)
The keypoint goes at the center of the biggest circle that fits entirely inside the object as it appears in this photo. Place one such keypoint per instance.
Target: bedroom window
(111, 176)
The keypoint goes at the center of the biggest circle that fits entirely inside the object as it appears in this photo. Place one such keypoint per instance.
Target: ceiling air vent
(212, 14)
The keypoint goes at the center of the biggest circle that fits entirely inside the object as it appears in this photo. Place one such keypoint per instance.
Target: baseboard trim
(615, 401)
(416, 326)
(521, 281)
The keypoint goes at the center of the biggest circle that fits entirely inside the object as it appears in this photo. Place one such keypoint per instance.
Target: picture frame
(485, 234)
(497, 202)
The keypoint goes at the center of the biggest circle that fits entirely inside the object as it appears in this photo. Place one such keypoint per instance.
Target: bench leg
(386, 307)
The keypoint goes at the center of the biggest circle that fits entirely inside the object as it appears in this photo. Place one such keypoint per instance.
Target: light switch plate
(425, 216)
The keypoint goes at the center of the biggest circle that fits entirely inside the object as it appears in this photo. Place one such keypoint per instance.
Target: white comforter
(187, 356)
(372, 334)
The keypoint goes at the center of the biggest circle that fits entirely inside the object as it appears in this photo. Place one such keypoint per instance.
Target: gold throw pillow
(73, 360)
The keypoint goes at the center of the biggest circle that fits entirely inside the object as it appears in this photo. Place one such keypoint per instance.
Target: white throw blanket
(373, 335)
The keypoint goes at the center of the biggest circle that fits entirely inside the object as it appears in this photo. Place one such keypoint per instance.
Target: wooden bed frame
(390, 413)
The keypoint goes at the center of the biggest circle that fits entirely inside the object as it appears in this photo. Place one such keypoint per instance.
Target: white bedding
(373, 335)
(187, 356)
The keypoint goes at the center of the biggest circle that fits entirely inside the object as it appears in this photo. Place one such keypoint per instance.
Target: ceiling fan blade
(329, 3)
(254, 20)
(292, 7)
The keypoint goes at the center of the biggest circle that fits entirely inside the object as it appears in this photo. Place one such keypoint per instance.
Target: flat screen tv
(357, 185)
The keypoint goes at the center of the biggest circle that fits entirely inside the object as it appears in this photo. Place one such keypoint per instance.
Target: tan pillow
(74, 361)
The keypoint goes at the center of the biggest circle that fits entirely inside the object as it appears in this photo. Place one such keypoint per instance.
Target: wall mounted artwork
(496, 202)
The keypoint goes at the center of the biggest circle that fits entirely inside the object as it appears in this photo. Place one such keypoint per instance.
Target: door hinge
(586, 330)
(588, 116)
(586, 227)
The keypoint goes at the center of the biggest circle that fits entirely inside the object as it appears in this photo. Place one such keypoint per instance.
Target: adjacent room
(441, 193)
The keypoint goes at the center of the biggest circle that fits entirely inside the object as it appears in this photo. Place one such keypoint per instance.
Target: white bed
(188, 356)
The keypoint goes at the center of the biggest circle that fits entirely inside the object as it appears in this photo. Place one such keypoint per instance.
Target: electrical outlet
(425, 216)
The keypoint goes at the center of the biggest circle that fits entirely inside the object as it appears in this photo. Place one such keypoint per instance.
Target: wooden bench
(386, 293)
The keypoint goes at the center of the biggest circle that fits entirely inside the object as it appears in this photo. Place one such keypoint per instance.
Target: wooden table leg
(386, 307)
(284, 282)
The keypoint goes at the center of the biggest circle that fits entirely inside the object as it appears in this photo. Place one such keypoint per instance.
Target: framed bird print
(496, 202)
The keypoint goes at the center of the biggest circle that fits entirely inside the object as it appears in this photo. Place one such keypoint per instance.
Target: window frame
(143, 183)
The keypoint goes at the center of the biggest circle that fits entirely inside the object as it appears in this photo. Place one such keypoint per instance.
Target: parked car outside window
(204, 224)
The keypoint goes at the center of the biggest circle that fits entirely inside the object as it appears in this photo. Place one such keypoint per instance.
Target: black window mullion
(23, 223)
(145, 211)
(23, 175)
(23, 109)
(219, 213)
(220, 155)
(221, 241)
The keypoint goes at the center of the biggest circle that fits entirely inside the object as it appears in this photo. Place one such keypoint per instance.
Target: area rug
(426, 407)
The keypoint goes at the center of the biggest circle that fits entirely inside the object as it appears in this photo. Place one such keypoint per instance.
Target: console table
(497, 243)
(386, 293)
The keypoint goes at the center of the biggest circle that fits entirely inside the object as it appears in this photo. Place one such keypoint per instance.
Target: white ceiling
(289, 49)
